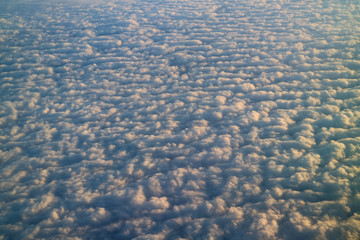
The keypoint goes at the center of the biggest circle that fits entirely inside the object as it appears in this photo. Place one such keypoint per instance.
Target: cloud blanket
(180, 119)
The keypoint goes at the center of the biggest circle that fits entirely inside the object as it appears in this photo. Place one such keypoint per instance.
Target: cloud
(144, 120)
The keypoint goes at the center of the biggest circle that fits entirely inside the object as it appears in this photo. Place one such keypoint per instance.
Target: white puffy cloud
(179, 120)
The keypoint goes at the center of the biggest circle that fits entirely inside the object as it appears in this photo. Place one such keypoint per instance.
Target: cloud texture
(180, 120)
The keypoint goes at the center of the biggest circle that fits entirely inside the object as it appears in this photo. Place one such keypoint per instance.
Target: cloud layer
(180, 120)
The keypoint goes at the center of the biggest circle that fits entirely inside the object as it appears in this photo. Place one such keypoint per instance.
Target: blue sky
(179, 120)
